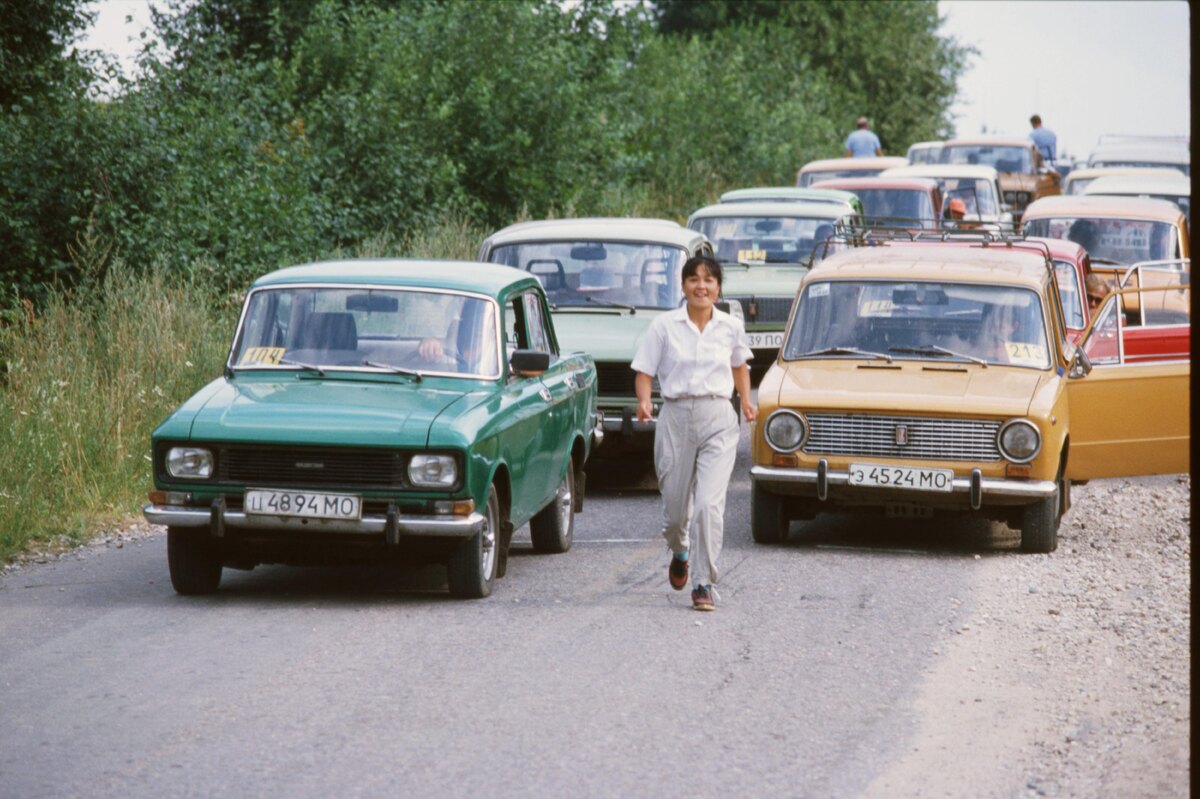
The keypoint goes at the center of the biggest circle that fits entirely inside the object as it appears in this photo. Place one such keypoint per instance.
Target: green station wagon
(606, 280)
(379, 410)
(765, 249)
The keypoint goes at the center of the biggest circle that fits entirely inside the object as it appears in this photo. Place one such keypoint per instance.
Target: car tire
(1039, 524)
(553, 528)
(768, 516)
(471, 570)
(193, 560)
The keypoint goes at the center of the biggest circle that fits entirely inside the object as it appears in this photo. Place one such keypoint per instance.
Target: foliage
(33, 35)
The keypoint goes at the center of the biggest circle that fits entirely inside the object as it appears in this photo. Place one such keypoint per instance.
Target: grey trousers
(695, 445)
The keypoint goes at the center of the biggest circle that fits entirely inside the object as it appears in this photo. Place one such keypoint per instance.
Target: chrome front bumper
(392, 524)
(625, 421)
(976, 486)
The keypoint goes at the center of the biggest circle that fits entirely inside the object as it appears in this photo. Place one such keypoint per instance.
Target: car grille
(614, 380)
(310, 466)
(926, 438)
(765, 309)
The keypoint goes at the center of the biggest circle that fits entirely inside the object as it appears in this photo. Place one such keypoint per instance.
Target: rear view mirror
(530, 363)
(589, 252)
(372, 302)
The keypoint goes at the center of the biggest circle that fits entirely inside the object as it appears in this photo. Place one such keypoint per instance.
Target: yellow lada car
(1024, 176)
(1116, 231)
(931, 379)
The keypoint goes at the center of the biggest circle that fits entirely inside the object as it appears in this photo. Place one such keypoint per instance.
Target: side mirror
(529, 363)
(1081, 365)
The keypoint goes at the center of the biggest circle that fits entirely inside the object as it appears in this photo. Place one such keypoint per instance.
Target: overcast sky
(1089, 67)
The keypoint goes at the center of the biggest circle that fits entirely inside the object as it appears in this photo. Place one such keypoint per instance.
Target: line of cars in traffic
(913, 359)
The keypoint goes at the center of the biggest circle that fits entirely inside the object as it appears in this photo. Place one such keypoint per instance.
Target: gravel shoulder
(1069, 674)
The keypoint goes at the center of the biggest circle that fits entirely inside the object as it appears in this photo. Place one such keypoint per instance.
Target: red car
(893, 198)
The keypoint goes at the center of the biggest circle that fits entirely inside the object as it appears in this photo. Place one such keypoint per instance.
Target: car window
(347, 327)
(913, 320)
(1122, 241)
(583, 273)
(535, 320)
(765, 239)
(1071, 294)
(896, 203)
(1002, 159)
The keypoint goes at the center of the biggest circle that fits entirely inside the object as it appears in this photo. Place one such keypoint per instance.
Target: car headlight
(785, 431)
(1020, 441)
(432, 471)
(193, 462)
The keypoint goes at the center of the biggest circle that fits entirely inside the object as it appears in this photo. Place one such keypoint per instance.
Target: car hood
(778, 280)
(330, 411)
(605, 335)
(914, 387)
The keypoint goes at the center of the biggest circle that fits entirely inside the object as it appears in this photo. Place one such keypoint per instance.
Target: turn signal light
(170, 497)
(1018, 470)
(785, 459)
(455, 507)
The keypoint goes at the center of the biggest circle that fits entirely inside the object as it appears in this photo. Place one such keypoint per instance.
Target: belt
(700, 397)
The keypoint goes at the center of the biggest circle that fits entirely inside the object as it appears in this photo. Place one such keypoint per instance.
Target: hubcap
(565, 499)
(488, 541)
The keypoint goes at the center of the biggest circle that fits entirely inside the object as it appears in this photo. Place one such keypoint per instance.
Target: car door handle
(544, 393)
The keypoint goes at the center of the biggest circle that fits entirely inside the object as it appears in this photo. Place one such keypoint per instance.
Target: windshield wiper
(611, 304)
(846, 351)
(308, 366)
(396, 370)
(933, 349)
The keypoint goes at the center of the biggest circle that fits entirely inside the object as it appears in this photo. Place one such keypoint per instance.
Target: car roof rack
(855, 235)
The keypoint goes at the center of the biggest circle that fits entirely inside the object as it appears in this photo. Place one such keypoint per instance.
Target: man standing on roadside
(863, 143)
(1044, 138)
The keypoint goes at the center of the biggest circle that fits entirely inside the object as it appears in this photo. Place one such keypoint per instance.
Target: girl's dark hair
(707, 261)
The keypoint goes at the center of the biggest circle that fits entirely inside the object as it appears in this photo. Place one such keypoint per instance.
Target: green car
(765, 247)
(379, 410)
(606, 279)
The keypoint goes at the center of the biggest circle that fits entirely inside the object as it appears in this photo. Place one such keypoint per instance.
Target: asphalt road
(583, 675)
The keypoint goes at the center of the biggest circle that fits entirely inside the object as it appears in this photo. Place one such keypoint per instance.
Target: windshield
(978, 194)
(1183, 167)
(765, 239)
(923, 155)
(919, 320)
(896, 203)
(1077, 185)
(1003, 159)
(1122, 241)
(809, 178)
(299, 327)
(592, 273)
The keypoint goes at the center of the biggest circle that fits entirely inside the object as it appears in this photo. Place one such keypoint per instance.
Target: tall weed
(88, 376)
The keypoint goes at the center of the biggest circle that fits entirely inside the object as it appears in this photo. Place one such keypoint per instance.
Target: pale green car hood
(605, 335)
(775, 280)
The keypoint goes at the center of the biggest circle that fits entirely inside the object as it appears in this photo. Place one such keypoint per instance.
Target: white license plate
(302, 504)
(901, 477)
(763, 340)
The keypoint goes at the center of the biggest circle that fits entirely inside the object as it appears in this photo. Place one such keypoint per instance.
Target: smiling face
(701, 289)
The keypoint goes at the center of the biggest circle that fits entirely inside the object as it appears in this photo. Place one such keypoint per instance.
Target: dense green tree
(34, 37)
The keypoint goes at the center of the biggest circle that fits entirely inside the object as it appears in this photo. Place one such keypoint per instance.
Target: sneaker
(677, 574)
(702, 598)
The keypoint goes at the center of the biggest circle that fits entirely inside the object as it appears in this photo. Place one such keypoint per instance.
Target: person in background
(1044, 138)
(862, 142)
(1096, 288)
(699, 355)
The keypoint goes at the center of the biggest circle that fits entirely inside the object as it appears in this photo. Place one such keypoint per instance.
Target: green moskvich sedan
(379, 410)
